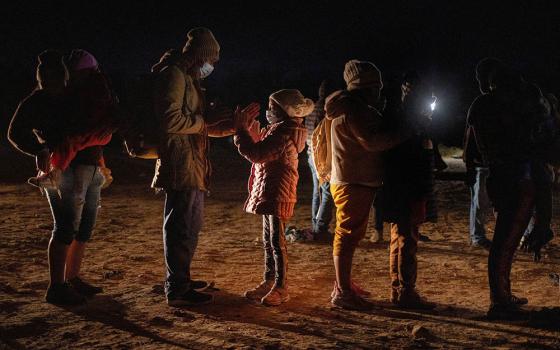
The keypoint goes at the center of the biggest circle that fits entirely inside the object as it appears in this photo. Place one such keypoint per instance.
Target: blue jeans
(75, 213)
(480, 205)
(322, 203)
(182, 221)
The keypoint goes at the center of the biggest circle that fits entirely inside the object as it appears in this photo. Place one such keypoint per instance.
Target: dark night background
(268, 46)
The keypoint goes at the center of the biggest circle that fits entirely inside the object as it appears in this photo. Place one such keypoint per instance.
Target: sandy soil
(125, 257)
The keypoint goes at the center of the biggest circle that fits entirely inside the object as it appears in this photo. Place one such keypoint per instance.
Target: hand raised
(244, 117)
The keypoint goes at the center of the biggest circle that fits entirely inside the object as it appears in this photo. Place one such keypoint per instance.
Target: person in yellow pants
(356, 169)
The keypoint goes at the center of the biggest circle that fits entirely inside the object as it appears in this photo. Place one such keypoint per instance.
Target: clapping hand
(244, 118)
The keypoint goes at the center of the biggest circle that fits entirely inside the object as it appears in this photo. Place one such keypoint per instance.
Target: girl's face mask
(206, 70)
(271, 117)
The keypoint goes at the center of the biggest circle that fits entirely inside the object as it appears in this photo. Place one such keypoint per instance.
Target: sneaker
(63, 294)
(257, 293)
(518, 300)
(508, 311)
(349, 300)
(412, 300)
(354, 287)
(107, 177)
(276, 296)
(201, 286)
(84, 288)
(189, 298)
(483, 243)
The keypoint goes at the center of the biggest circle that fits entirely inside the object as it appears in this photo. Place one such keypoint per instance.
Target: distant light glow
(433, 105)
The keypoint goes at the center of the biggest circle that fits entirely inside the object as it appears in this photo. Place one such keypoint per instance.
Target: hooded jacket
(274, 173)
(357, 140)
(183, 149)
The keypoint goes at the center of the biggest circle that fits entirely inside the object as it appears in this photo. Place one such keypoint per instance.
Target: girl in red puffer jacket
(272, 184)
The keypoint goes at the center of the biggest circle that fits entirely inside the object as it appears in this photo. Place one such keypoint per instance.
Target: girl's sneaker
(276, 296)
(257, 293)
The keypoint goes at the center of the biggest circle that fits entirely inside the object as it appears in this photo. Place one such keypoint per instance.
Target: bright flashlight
(433, 104)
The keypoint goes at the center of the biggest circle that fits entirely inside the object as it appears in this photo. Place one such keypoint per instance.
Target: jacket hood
(342, 102)
(296, 132)
(170, 57)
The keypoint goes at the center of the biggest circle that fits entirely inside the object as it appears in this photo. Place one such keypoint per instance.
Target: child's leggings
(275, 250)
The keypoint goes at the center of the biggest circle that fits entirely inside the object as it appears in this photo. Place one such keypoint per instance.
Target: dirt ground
(125, 257)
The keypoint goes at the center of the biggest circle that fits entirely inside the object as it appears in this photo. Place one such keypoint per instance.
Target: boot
(410, 299)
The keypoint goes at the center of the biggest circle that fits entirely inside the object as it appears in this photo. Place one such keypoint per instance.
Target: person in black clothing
(407, 185)
(503, 119)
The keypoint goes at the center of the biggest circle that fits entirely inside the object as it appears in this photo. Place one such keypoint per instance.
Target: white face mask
(271, 117)
(206, 70)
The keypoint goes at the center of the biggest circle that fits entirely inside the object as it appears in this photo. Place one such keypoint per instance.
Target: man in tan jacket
(357, 144)
(183, 168)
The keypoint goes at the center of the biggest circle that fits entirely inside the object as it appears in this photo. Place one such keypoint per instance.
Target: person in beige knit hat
(362, 75)
(357, 142)
(183, 169)
(272, 184)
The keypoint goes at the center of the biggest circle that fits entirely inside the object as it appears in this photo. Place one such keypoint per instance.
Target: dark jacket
(274, 174)
(409, 179)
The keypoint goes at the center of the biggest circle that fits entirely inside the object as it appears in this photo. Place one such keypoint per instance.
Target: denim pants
(322, 203)
(182, 221)
(75, 210)
(480, 205)
(275, 250)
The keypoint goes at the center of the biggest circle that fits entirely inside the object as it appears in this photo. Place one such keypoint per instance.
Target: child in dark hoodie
(273, 181)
